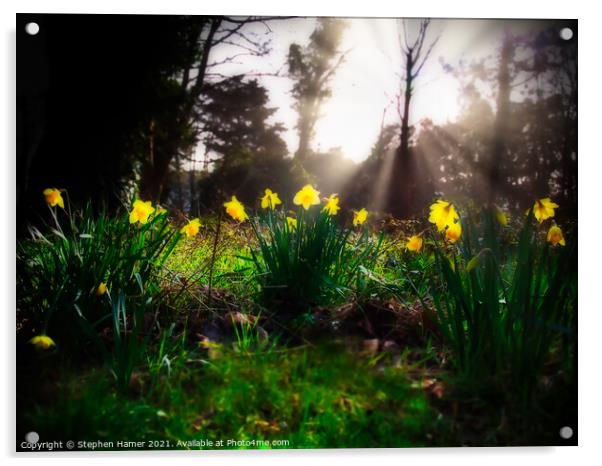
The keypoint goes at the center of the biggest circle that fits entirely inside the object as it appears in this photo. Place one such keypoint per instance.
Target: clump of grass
(185, 275)
(61, 267)
(310, 261)
(503, 312)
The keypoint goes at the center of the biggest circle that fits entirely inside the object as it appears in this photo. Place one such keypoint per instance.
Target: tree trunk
(155, 174)
(306, 128)
(304, 137)
(405, 121)
(496, 160)
(402, 186)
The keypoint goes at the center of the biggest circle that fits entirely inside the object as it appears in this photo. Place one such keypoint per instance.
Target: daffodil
(291, 222)
(414, 243)
(270, 199)
(443, 214)
(208, 344)
(544, 209)
(555, 236)
(307, 197)
(54, 198)
(236, 210)
(191, 228)
(360, 217)
(453, 232)
(500, 215)
(160, 210)
(42, 342)
(141, 211)
(102, 289)
(332, 205)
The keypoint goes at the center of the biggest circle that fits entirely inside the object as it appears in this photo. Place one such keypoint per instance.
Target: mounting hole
(32, 437)
(566, 33)
(566, 432)
(32, 28)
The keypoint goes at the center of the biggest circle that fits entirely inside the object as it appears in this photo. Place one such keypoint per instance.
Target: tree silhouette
(247, 152)
(518, 141)
(92, 103)
(405, 184)
(498, 152)
(414, 57)
(312, 67)
(202, 36)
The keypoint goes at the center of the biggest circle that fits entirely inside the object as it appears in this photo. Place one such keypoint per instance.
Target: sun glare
(367, 85)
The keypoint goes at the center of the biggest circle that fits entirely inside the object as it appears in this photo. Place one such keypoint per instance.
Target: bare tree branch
(255, 19)
(228, 33)
(426, 56)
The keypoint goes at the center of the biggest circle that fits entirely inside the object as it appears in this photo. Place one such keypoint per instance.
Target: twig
(213, 252)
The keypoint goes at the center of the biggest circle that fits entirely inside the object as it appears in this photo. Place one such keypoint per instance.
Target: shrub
(502, 314)
(309, 260)
(67, 271)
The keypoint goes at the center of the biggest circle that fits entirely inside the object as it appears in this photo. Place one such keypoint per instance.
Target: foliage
(313, 262)
(538, 129)
(62, 266)
(126, 349)
(187, 267)
(187, 319)
(504, 305)
(503, 312)
(312, 68)
(128, 342)
(249, 338)
(128, 83)
(245, 150)
(235, 116)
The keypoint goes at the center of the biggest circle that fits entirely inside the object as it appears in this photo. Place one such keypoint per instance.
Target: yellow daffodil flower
(236, 210)
(102, 289)
(360, 217)
(443, 214)
(453, 232)
(414, 243)
(191, 228)
(291, 222)
(270, 199)
(307, 197)
(53, 197)
(500, 215)
(555, 236)
(544, 209)
(141, 211)
(332, 205)
(42, 342)
(208, 344)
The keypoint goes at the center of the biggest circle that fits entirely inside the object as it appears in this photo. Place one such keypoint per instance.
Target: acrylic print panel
(292, 233)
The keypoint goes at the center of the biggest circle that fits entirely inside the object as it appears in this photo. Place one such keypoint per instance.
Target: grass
(323, 397)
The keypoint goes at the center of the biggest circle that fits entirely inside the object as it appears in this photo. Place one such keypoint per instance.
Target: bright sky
(368, 82)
